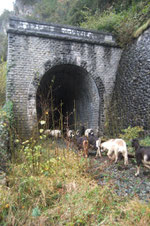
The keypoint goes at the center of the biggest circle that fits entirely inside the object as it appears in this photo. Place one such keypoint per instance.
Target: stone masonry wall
(34, 49)
(132, 88)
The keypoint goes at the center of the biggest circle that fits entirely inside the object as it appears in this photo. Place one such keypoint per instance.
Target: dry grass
(140, 30)
(62, 193)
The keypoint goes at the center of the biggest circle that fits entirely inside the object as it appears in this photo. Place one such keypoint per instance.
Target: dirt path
(122, 177)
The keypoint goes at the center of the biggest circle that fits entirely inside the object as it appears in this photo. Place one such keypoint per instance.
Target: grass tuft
(141, 29)
(61, 192)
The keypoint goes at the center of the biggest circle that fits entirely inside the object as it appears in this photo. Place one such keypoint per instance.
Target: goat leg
(98, 153)
(138, 171)
(116, 156)
(125, 159)
(147, 166)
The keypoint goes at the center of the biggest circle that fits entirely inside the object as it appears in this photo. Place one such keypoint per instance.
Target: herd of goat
(85, 139)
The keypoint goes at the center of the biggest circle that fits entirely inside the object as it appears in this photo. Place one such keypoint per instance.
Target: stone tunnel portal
(68, 89)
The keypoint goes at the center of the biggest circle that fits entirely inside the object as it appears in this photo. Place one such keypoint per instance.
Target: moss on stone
(141, 29)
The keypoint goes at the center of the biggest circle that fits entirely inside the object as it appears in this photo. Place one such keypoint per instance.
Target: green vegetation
(3, 50)
(121, 21)
(141, 29)
(131, 133)
(49, 185)
(3, 71)
(121, 17)
(65, 11)
(6, 134)
(3, 36)
(3, 46)
(145, 141)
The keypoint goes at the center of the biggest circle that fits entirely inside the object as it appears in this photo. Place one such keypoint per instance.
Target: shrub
(6, 134)
(131, 133)
(121, 21)
(145, 141)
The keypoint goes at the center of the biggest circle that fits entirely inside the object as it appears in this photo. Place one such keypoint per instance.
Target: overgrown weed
(3, 71)
(121, 21)
(60, 192)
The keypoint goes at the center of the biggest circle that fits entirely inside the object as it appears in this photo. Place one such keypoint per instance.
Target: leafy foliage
(65, 11)
(3, 47)
(131, 133)
(106, 15)
(3, 71)
(4, 17)
(122, 17)
(141, 29)
(145, 141)
(8, 109)
(6, 135)
(123, 22)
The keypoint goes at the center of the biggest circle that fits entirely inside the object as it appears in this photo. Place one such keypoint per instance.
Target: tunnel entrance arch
(38, 50)
(67, 90)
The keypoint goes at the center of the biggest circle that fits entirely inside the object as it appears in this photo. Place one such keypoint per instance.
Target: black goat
(79, 142)
(92, 141)
(142, 155)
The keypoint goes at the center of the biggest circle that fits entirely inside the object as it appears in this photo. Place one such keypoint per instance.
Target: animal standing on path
(142, 155)
(85, 148)
(115, 146)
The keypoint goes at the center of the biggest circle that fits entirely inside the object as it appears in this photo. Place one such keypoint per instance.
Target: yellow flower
(41, 130)
(46, 113)
(7, 206)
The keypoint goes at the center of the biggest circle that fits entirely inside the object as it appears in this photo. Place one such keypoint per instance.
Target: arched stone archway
(70, 85)
(80, 58)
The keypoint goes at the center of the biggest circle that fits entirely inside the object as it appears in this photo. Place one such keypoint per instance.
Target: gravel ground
(122, 177)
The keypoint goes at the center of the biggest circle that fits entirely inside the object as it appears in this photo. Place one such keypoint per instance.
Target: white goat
(115, 146)
(98, 146)
(47, 132)
(88, 132)
(70, 134)
(54, 133)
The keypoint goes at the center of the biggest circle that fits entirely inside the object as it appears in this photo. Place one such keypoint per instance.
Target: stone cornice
(60, 32)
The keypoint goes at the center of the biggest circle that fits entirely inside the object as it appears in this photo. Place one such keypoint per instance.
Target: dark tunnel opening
(65, 95)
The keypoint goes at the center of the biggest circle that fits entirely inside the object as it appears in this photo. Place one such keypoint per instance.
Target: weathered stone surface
(86, 61)
(132, 88)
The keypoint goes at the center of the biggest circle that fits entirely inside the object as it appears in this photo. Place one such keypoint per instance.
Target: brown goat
(85, 148)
